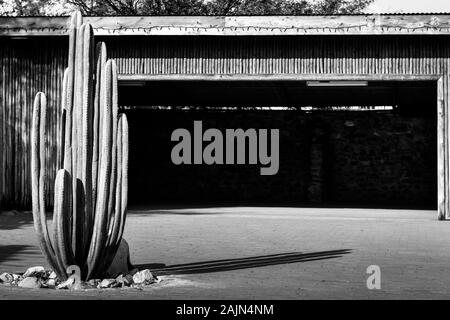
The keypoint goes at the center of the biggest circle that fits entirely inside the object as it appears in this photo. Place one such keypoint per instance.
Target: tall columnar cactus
(91, 186)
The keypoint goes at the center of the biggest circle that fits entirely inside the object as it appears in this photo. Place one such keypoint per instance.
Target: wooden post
(442, 152)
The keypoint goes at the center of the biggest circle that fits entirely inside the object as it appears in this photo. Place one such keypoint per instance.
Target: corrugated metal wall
(37, 64)
(26, 67)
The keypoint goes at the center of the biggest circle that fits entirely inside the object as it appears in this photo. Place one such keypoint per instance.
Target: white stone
(30, 282)
(34, 272)
(143, 277)
(94, 282)
(68, 284)
(107, 283)
(51, 283)
(17, 277)
(6, 278)
(120, 279)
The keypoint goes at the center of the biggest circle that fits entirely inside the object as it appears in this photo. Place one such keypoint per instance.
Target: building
(395, 153)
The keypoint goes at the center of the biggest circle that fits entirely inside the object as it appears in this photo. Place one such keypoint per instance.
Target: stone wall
(326, 158)
(382, 158)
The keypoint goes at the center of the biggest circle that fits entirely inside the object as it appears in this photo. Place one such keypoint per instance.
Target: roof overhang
(395, 24)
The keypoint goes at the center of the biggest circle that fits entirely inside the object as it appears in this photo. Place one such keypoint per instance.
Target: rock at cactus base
(106, 283)
(124, 281)
(144, 277)
(6, 278)
(51, 283)
(17, 277)
(30, 282)
(121, 263)
(109, 283)
(47, 279)
(68, 284)
(34, 272)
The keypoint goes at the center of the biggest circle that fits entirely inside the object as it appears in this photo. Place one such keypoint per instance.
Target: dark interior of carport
(355, 144)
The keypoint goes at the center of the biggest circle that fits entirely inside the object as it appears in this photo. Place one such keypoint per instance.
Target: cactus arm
(124, 168)
(37, 175)
(77, 99)
(75, 24)
(116, 232)
(100, 64)
(86, 135)
(61, 221)
(118, 198)
(78, 195)
(114, 224)
(122, 183)
(77, 87)
(101, 214)
(102, 95)
(62, 121)
(115, 108)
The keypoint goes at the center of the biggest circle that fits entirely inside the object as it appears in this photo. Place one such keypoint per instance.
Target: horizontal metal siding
(280, 55)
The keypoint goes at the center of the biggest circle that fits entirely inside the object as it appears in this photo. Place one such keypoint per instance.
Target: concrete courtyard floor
(263, 253)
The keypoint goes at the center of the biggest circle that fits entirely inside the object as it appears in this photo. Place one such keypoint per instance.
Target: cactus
(91, 184)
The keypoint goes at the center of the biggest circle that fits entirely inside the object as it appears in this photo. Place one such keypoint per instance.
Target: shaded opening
(352, 144)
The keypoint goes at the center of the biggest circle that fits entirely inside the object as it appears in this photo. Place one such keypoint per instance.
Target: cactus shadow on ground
(242, 263)
(11, 253)
(15, 222)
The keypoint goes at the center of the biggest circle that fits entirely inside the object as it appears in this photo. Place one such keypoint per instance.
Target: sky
(389, 6)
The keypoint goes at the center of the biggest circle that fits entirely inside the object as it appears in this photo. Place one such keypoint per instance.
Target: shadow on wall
(242, 263)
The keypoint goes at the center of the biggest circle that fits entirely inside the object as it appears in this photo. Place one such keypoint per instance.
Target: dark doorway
(360, 144)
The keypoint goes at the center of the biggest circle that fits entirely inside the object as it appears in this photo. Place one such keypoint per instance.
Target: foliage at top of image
(181, 7)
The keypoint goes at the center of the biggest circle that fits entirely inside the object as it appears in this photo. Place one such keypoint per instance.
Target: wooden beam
(33, 26)
(276, 77)
(397, 24)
